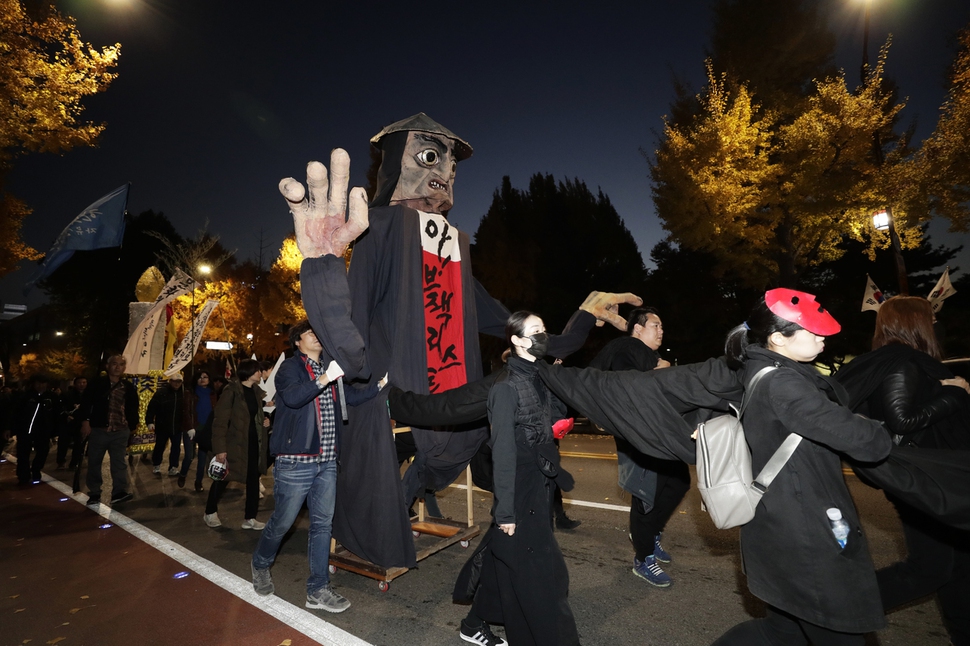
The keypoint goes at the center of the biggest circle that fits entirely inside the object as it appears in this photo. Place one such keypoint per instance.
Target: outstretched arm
(460, 405)
(323, 233)
(605, 307)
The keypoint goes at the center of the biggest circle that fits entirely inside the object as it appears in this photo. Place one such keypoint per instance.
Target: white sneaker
(212, 520)
(156, 470)
(173, 471)
(252, 523)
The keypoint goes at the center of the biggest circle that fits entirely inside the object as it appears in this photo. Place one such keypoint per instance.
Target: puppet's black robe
(372, 321)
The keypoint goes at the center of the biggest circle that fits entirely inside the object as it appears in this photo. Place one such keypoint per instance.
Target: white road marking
(566, 501)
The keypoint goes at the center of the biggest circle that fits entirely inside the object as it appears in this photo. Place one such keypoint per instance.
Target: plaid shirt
(116, 408)
(326, 422)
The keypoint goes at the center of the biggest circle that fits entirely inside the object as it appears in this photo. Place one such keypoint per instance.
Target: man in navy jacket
(306, 443)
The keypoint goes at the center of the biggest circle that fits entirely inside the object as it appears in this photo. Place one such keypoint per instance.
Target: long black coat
(168, 410)
(524, 582)
(791, 558)
(36, 415)
(386, 302)
(382, 294)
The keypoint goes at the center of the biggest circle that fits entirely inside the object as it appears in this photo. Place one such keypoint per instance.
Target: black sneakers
(481, 635)
(122, 497)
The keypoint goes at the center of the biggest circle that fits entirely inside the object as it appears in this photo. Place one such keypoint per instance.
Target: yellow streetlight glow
(205, 270)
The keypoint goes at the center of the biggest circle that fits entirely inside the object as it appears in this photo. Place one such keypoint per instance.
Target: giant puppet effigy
(407, 306)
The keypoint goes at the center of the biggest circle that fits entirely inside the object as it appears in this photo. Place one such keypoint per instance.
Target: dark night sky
(217, 101)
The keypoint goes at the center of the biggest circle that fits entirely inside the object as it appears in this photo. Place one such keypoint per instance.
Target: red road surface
(65, 580)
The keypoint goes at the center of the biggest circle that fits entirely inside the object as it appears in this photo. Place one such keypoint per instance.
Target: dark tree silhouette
(545, 248)
(91, 291)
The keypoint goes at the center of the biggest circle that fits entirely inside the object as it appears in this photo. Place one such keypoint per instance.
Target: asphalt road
(612, 606)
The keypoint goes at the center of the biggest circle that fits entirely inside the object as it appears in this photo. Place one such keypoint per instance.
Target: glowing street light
(880, 220)
(205, 270)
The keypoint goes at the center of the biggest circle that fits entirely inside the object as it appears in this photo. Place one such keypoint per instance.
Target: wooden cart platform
(446, 531)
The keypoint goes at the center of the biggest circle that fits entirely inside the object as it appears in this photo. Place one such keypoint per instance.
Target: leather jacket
(910, 401)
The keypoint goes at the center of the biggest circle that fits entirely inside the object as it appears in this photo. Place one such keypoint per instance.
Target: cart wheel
(416, 534)
(464, 544)
(383, 586)
(332, 569)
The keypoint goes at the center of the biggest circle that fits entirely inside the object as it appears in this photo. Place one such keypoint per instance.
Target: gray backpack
(729, 492)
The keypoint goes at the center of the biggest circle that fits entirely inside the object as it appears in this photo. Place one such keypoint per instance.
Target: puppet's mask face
(427, 173)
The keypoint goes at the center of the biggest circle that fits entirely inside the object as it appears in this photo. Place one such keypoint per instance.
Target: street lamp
(880, 220)
(205, 270)
(865, 41)
(883, 220)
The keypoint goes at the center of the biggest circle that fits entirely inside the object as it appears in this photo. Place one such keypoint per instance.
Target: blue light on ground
(105, 526)
(63, 499)
(180, 575)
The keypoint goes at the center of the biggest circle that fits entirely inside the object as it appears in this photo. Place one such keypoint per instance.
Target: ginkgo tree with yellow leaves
(280, 302)
(263, 304)
(944, 158)
(46, 69)
(769, 194)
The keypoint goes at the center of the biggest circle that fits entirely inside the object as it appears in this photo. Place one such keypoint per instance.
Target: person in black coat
(35, 420)
(522, 578)
(70, 425)
(656, 486)
(166, 417)
(903, 383)
(817, 590)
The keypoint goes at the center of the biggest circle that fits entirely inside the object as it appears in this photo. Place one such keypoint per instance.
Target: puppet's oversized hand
(605, 306)
(322, 226)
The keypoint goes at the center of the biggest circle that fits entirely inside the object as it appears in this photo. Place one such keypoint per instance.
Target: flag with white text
(100, 225)
(190, 344)
(138, 349)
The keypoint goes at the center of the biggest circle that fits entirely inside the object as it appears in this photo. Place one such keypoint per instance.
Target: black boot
(565, 522)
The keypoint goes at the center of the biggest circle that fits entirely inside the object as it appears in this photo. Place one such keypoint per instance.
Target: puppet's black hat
(423, 123)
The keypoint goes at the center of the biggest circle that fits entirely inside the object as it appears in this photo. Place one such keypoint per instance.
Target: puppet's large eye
(428, 156)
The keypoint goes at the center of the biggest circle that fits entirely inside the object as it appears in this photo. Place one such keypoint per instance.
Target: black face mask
(540, 344)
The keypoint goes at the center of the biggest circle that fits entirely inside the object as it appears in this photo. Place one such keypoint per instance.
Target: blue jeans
(294, 482)
(190, 453)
